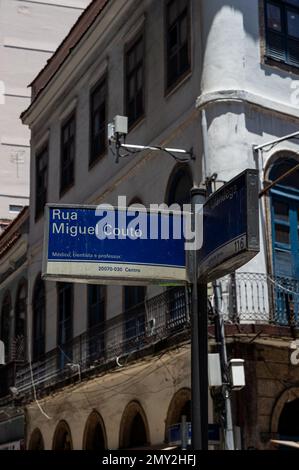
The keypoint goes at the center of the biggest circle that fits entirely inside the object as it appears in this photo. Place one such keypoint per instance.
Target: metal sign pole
(199, 345)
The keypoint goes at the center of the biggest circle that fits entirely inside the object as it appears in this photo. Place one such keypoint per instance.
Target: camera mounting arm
(117, 131)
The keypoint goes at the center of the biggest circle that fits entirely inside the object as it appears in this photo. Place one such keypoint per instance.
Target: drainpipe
(205, 144)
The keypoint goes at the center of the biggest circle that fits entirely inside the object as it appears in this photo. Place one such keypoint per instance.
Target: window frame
(168, 88)
(96, 346)
(94, 159)
(62, 319)
(140, 35)
(66, 122)
(284, 7)
(91, 325)
(39, 211)
(65, 349)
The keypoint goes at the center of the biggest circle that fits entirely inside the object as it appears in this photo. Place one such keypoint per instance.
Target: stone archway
(180, 405)
(62, 439)
(288, 396)
(94, 433)
(134, 431)
(36, 441)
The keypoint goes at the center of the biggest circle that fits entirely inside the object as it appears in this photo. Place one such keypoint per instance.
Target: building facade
(29, 34)
(111, 365)
(13, 301)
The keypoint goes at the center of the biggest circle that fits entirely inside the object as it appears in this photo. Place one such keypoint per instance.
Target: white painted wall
(246, 102)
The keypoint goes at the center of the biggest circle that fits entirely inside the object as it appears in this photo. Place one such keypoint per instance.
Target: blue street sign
(230, 227)
(112, 246)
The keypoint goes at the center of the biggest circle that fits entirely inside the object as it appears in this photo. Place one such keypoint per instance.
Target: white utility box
(214, 370)
(237, 373)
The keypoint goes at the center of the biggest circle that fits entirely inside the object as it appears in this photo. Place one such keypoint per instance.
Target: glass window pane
(281, 210)
(293, 23)
(96, 98)
(96, 124)
(72, 127)
(139, 51)
(273, 17)
(172, 12)
(282, 234)
(131, 88)
(183, 30)
(139, 78)
(173, 40)
(131, 61)
(65, 135)
(182, 5)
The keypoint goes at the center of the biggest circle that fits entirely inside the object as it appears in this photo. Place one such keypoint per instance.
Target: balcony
(258, 298)
(132, 334)
(242, 298)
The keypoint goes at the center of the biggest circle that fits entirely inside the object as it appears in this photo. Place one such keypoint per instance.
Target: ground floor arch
(36, 441)
(95, 434)
(180, 405)
(134, 431)
(62, 439)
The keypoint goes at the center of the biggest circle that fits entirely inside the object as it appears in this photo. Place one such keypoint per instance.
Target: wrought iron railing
(144, 325)
(241, 298)
(258, 298)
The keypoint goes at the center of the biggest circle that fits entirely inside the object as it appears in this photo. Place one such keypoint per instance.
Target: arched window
(94, 435)
(133, 428)
(62, 437)
(65, 322)
(179, 186)
(20, 319)
(96, 297)
(5, 325)
(39, 319)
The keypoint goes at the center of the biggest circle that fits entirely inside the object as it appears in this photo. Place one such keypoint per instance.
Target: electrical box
(120, 124)
(237, 373)
(214, 370)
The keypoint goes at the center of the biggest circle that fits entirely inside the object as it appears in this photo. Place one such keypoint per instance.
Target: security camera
(118, 127)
